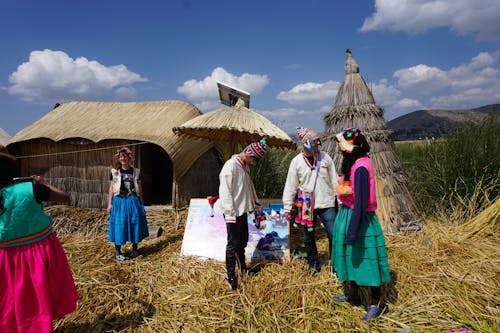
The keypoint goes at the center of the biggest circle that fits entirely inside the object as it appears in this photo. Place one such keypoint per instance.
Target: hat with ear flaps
(306, 136)
(256, 149)
(352, 141)
(353, 145)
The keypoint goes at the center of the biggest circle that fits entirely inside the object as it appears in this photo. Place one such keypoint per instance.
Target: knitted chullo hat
(256, 149)
(307, 136)
(353, 144)
(351, 139)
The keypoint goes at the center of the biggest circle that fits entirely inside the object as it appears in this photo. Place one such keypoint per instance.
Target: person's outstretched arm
(55, 194)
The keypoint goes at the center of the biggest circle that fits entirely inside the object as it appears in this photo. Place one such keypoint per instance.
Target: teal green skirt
(364, 262)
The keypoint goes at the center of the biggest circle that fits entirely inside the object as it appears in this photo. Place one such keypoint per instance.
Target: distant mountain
(423, 124)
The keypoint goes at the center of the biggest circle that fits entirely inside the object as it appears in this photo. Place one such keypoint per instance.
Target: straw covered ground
(444, 277)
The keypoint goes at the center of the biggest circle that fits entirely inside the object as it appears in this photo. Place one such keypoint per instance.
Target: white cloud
(288, 118)
(125, 93)
(384, 93)
(480, 17)
(53, 75)
(478, 73)
(311, 92)
(389, 97)
(467, 98)
(474, 83)
(422, 79)
(209, 104)
(207, 88)
(407, 103)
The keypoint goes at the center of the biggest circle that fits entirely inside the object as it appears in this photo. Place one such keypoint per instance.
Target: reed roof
(143, 121)
(235, 124)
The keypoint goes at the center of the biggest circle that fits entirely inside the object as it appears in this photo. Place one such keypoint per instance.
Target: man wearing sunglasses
(310, 185)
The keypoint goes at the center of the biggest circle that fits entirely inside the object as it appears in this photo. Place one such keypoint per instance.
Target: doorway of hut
(157, 175)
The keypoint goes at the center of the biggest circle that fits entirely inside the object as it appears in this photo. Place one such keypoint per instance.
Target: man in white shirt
(312, 175)
(237, 199)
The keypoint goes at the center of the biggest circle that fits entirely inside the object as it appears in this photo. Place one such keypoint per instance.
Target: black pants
(237, 239)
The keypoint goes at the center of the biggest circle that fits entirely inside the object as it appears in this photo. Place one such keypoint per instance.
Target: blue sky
(288, 54)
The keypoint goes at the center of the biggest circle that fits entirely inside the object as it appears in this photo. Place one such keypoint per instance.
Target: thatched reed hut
(355, 107)
(73, 147)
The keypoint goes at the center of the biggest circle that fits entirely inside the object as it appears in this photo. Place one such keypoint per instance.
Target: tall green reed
(269, 174)
(461, 172)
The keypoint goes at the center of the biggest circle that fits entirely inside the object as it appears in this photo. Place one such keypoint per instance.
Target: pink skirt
(36, 286)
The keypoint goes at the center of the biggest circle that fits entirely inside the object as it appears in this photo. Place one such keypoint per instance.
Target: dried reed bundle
(485, 224)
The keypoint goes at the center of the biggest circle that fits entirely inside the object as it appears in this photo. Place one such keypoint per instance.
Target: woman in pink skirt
(35, 278)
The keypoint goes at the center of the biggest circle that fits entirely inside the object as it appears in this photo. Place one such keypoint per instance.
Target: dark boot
(232, 283)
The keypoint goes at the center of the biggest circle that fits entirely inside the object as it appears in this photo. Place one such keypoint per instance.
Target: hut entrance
(156, 175)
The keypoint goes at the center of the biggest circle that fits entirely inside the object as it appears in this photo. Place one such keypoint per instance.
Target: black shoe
(372, 311)
(251, 271)
(232, 283)
(134, 254)
(314, 271)
(354, 300)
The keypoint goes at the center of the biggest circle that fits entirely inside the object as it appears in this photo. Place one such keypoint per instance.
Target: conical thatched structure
(355, 107)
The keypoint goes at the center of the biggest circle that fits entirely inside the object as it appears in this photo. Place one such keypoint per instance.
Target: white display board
(205, 236)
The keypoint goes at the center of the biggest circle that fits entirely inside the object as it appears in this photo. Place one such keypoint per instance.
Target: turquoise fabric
(23, 216)
(364, 262)
(127, 221)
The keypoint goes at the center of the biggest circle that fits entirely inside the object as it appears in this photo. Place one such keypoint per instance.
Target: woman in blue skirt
(359, 254)
(127, 218)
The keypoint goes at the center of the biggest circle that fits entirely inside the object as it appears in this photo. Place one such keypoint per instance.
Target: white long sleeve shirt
(237, 194)
(301, 176)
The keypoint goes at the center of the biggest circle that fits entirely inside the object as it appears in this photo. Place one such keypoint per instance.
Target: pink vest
(348, 200)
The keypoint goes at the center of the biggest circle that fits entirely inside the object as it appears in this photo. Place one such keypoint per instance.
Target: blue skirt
(127, 221)
(364, 262)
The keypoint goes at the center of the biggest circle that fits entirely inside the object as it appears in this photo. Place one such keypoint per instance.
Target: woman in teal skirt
(359, 254)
